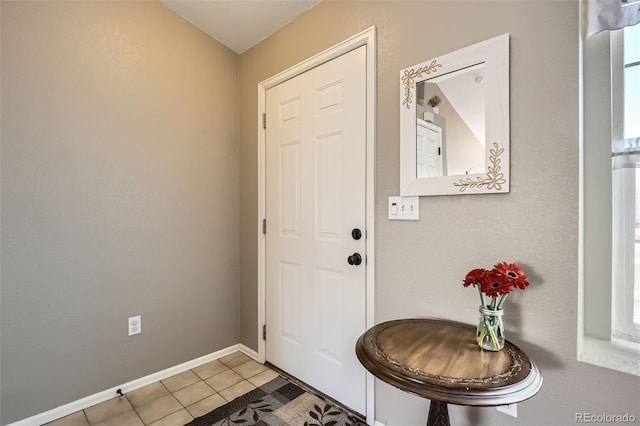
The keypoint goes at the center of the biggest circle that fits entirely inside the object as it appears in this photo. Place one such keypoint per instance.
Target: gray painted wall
(119, 197)
(420, 265)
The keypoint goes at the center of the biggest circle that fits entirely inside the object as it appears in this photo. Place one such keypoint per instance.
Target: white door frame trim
(365, 38)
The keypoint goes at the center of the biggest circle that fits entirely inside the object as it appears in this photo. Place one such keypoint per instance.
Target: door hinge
(264, 226)
(264, 120)
(264, 332)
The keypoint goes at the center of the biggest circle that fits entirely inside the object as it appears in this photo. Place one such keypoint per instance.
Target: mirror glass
(450, 122)
(455, 122)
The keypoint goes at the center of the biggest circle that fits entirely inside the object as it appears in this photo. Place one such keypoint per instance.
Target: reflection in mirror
(454, 122)
(450, 117)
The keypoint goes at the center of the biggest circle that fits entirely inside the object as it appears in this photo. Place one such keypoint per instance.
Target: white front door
(428, 150)
(315, 198)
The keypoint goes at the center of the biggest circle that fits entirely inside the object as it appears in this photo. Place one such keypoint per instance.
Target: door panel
(329, 297)
(329, 187)
(315, 195)
(290, 189)
(429, 151)
(289, 302)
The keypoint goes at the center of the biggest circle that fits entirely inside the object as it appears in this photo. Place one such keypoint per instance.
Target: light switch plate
(404, 208)
(135, 325)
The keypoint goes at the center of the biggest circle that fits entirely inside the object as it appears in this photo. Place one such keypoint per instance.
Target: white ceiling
(240, 24)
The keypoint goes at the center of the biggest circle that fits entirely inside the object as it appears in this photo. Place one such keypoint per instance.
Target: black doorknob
(356, 234)
(354, 259)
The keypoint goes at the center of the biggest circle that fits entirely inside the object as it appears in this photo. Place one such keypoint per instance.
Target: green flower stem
(492, 334)
(503, 299)
(494, 302)
(481, 335)
(481, 298)
(489, 327)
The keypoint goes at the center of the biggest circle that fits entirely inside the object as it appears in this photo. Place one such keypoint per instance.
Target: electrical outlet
(511, 409)
(135, 325)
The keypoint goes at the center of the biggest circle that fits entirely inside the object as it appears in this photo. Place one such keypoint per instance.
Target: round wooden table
(440, 360)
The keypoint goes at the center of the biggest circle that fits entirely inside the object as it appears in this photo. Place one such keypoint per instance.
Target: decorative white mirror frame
(494, 53)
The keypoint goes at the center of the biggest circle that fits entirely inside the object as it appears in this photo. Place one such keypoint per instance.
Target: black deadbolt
(356, 234)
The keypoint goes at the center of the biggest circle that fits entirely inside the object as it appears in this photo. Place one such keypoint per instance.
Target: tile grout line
(86, 418)
(135, 410)
(172, 394)
(227, 366)
(201, 379)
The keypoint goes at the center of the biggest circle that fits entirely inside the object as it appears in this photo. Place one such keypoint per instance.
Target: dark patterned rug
(279, 403)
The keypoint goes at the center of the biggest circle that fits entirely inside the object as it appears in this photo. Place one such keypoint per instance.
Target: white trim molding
(365, 38)
(595, 343)
(97, 398)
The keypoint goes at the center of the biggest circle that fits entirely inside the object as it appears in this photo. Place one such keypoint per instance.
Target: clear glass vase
(490, 334)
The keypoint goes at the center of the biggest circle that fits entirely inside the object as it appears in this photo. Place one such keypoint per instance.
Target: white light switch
(404, 208)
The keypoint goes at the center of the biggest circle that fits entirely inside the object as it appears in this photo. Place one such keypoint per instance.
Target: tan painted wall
(119, 197)
(420, 265)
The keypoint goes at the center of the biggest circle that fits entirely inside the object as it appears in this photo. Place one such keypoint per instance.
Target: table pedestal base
(438, 414)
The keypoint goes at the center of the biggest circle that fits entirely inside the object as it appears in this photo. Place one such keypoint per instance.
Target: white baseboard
(248, 351)
(81, 404)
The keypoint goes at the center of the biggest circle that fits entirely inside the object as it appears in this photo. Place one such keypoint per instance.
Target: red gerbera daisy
(475, 277)
(495, 283)
(514, 274)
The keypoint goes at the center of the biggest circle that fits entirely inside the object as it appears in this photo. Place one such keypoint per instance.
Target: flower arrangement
(434, 101)
(494, 285)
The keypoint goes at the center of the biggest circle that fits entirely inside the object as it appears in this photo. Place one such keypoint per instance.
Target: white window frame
(595, 342)
(624, 208)
(624, 253)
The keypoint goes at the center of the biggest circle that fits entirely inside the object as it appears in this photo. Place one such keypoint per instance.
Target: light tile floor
(177, 400)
